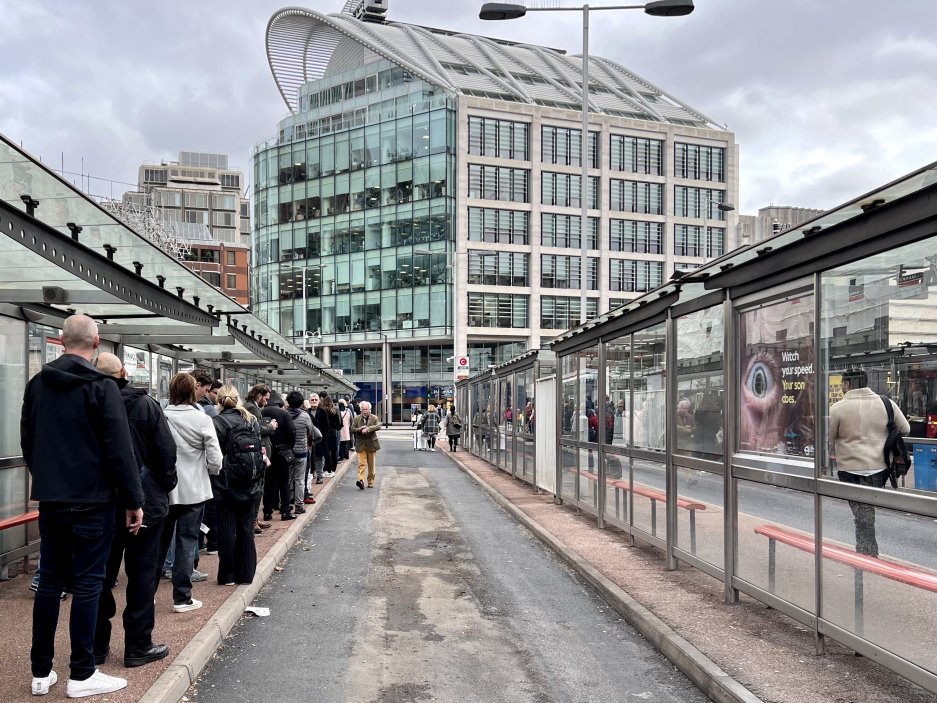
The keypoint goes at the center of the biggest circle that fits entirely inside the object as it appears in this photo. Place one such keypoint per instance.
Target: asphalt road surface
(423, 589)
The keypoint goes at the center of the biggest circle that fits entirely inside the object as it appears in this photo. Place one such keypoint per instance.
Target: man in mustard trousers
(365, 428)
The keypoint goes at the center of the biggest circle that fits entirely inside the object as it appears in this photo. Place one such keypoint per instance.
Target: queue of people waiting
(123, 480)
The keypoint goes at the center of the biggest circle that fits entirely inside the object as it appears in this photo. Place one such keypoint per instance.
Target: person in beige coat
(365, 428)
(857, 432)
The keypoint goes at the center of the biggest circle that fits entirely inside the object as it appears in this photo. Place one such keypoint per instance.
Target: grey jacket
(198, 453)
(303, 430)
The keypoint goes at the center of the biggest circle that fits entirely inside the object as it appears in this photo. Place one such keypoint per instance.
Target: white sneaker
(433, 449)
(42, 684)
(186, 607)
(97, 684)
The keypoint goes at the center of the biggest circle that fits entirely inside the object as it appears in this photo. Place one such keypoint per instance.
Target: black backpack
(897, 459)
(243, 464)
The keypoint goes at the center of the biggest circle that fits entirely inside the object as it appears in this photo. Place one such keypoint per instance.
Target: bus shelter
(696, 419)
(502, 408)
(60, 254)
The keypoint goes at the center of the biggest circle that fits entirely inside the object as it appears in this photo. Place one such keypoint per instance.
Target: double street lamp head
(657, 8)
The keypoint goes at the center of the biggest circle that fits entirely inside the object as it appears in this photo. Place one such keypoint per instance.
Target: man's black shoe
(268, 517)
(288, 516)
(153, 653)
(101, 657)
(360, 484)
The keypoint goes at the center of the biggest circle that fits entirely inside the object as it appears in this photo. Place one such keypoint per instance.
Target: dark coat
(266, 431)
(322, 420)
(285, 432)
(154, 446)
(75, 436)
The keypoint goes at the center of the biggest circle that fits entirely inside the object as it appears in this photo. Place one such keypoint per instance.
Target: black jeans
(140, 554)
(453, 441)
(864, 513)
(237, 554)
(76, 540)
(186, 520)
(277, 487)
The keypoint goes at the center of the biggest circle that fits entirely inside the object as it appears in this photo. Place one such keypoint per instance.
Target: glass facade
(354, 211)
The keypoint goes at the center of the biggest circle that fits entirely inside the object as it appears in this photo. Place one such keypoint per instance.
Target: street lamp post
(657, 8)
(722, 207)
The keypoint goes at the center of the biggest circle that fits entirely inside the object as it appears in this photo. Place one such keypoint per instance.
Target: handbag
(286, 453)
(897, 459)
(316, 436)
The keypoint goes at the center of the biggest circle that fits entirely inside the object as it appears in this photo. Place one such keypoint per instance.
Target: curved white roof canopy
(305, 45)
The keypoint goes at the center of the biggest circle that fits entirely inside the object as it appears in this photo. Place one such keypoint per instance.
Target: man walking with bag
(858, 429)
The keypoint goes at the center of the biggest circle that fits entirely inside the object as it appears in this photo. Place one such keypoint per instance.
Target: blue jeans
(76, 541)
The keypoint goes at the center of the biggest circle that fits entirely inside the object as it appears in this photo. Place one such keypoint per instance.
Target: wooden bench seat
(16, 521)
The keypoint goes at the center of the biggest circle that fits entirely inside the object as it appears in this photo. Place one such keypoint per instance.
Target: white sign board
(461, 367)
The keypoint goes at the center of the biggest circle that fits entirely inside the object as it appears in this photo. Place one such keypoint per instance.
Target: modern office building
(200, 197)
(421, 200)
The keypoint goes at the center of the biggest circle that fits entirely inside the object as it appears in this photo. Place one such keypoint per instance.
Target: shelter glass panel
(618, 389)
(649, 371)
(700, 384)
(872, 606)
(773, 566)
(569, 395)
(649, 495)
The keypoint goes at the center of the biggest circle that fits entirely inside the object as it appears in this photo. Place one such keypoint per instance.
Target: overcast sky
(827, 98)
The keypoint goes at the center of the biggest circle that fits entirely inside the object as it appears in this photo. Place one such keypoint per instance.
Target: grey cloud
(827, 99)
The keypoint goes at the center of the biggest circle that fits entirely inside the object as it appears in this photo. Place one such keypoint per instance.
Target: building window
(700, 163)
(199, 200)
(231, 257)
(167, 198)
(565, 272)
(499, 183)
(223, 219)
(699, 203)
(636, 196)
(230, 180)
(211, 277)
(565, 189)
(154, 175)
(224, 201)
(561, 313)
(497, 268)
(688, 240)
(635, 276)
(636, 155)
(232, 280)
(497, 310)
(560, 145)
(199, 217)
(563, 231)
(498, 226)
(481, 354)
(634, 236)
(501, 139)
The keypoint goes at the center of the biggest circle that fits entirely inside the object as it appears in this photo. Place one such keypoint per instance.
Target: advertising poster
(778, 378)
(54, 348)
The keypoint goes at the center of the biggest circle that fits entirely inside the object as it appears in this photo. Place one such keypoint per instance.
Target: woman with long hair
(237, 506)
(198, 456)
(330, 438)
